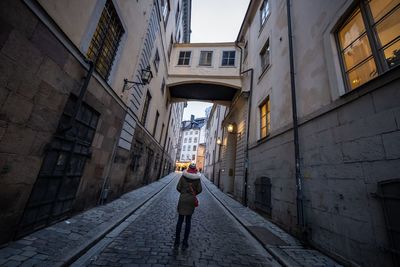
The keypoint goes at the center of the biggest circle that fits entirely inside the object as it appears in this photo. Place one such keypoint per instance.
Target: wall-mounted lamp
(231, 127)
(145, 77)
(219, 141)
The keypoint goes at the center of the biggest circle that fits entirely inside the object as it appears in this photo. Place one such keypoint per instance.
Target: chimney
(191, 118)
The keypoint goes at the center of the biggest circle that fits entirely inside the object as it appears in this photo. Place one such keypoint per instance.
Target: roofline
(244, 20)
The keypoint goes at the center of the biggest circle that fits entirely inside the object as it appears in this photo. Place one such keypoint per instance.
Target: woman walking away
(189, 185)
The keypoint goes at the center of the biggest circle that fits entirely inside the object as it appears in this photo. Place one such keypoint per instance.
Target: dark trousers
(188, 221)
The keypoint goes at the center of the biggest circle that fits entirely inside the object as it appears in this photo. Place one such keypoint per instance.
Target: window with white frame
(205, 58)
(193, 157)
(190, 139)
(156, 60)
(369, 41)
(264, 56)
(196, 132)
(191, 132)
(185, 140)
(165, 10)
(228, 58)
(194, 148)
(264, 11)
(184, 57)
(195, 140)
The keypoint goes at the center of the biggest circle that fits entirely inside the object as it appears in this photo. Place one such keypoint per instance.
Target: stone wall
(37, 75)
(346, 149)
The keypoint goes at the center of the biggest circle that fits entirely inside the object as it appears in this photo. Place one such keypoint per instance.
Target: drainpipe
(246, 157)
(165, 141)
(216, 146)
(299, 197)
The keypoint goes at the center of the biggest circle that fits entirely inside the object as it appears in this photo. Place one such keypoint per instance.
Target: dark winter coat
(186, 199)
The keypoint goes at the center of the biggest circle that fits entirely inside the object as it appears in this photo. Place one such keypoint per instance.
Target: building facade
(74, 132)
(324, 124)
(192, 137)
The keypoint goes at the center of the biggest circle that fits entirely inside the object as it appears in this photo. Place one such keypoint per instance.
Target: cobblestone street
(216, 238)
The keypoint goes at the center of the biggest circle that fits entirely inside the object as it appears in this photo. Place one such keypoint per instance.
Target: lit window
(264, 56)
(265, 118)
(228, 58)
(264, 11)
(107, 37)
(184, 57)
(369, 44)
(205, 58)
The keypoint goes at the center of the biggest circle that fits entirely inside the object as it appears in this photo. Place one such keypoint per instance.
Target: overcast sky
(214, 21)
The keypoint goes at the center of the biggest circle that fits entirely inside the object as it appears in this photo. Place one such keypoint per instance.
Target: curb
(274, 251)
(78, 252)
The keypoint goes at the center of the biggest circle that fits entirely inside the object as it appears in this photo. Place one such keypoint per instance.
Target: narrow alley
(216, 238)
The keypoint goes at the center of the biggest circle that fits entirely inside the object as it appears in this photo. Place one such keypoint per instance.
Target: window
(162, 131)
(369, 41)
(185, 140)
(193, 157)
(190, 139)
(205, 58)
(189, 147)
(195, 140)
(186, 133)
(184, 148)
(171, 43)
(228, 58)
(155, 123)
(165, 10)
(156, 60)
(194, 148)
(264, 56)
(191, 132)
(196, 132)
(265, 118)
(264, 11)
(184, 57)
(106, 37)
(146, 108)
(162, 86)
(177, 15)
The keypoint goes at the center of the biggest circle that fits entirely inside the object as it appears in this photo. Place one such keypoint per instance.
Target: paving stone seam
(74, 255)
(267, 248)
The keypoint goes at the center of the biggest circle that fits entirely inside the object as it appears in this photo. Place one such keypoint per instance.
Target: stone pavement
(216, 238)
(62, 243)
(285, 248)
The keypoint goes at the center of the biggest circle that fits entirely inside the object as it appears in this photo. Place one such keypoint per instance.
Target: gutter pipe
(246, 158)
(299, 181)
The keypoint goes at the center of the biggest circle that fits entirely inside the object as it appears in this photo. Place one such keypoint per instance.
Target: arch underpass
(204, 72)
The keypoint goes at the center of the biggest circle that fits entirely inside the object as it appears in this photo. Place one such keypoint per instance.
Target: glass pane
(389, 28)
(362, 73)
(263, 110)
(263, 132)
(392, 54)
(356, 52)
(352, 29)
(379, 8)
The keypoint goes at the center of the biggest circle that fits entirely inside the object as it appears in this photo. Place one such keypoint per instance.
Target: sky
(214, 21)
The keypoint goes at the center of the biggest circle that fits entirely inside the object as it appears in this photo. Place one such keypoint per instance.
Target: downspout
(299, 197)
(165, 141)
(246, 157)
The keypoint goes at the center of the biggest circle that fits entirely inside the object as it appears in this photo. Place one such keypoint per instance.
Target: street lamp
(145, 76)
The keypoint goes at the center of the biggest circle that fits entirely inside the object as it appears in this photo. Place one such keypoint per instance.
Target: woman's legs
(178, 229)
(188, 222)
